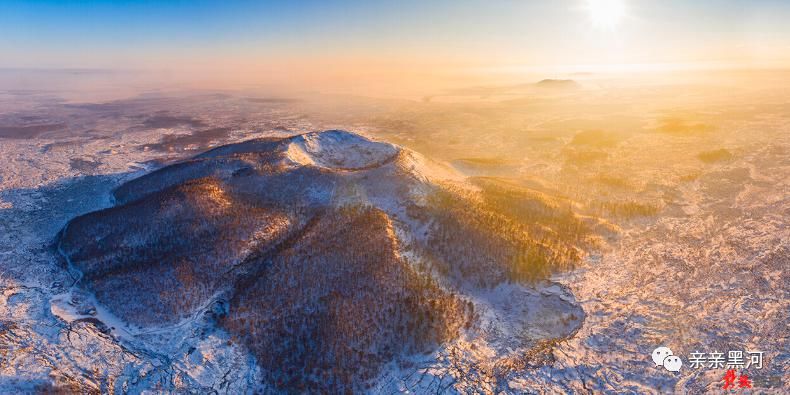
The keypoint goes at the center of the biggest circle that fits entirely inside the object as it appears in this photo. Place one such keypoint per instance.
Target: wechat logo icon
(662, 356)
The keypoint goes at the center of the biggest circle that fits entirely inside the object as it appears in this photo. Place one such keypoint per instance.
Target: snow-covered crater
(338, 149)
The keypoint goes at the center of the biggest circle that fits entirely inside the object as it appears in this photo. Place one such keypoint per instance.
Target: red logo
(729, 380)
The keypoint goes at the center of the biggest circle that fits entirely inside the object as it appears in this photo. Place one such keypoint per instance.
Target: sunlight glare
(606, 14)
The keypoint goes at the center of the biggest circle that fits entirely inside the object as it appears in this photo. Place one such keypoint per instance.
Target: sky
(342, 39)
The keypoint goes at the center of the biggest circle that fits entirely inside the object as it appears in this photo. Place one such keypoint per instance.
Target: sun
(606, 14)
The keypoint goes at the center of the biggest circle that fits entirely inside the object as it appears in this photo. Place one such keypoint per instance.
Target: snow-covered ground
(709, 274)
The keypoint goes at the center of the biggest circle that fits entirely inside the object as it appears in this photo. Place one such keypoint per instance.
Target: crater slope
(329, 254)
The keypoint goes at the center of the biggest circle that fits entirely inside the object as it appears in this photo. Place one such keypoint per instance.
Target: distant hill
(333, 254)
(557, 84)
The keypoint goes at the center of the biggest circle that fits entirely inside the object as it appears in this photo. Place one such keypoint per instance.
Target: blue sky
(154, 34)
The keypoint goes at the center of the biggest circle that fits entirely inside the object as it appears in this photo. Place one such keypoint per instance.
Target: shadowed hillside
(340, 302)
